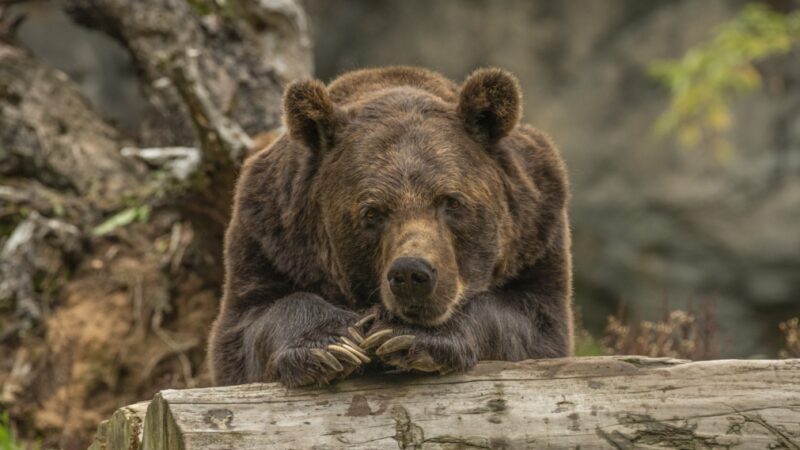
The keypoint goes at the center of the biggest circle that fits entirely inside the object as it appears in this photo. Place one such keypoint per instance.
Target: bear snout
(411, 279)
(420, 281)
(412, 284)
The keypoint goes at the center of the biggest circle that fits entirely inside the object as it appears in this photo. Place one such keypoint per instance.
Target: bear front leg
(298, 340)
(450, 347)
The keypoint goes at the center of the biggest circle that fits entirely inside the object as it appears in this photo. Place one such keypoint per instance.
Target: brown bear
(402, 219)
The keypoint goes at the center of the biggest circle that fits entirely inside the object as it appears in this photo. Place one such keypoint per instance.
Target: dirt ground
(128, 323)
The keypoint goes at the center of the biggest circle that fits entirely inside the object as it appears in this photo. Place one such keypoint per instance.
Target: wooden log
(605, 402)
(123, 430)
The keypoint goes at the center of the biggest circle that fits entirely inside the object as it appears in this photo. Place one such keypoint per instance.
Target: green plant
(122, 218)
(585, 344)
(705, 80)
(8, 441)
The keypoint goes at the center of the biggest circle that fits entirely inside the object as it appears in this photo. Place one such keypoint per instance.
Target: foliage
(585, 343)
(681, 334)
(705, 80)
(8, 441)
(791, 332)
(122, 218)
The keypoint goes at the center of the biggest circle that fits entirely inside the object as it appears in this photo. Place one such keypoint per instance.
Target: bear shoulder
(272, 208)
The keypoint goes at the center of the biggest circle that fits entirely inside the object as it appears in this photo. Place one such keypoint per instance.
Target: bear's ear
(309, 114)
(490, 104)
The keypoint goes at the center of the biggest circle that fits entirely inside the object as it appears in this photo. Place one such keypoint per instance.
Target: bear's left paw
(410, 349)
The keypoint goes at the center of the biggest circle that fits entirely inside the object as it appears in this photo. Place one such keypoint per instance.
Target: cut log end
(123, 430)
(604, 402)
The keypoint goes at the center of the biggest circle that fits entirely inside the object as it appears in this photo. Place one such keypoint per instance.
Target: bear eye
(452, 203)
(370, 216)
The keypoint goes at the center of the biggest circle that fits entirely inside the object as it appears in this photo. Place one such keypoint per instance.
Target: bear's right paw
(318, 364)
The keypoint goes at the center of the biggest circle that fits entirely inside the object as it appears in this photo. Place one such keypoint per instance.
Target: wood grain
(605, 402)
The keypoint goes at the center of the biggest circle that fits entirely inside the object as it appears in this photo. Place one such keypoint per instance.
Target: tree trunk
(605, 402)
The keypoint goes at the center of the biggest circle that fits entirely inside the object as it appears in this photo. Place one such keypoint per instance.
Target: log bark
(605, 402)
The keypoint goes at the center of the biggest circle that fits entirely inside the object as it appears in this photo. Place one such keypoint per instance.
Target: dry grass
(791, 332)
(686, 334)
(690, 334)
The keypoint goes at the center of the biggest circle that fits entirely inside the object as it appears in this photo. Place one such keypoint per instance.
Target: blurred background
(121, 127)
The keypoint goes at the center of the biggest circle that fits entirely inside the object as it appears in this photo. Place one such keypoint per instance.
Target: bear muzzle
(420, 275)
(411, 279)
(412, 282)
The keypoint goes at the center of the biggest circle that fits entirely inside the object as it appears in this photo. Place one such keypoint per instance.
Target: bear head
(414, 188)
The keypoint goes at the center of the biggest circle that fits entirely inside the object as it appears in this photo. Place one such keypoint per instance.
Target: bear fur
(387, 165)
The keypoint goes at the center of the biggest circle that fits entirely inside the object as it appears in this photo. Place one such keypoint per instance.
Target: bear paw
(319, 363)
(421, 350)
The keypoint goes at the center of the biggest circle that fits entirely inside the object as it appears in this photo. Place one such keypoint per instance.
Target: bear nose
(411, 278)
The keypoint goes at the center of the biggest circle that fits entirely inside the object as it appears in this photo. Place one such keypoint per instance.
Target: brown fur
(390, 163)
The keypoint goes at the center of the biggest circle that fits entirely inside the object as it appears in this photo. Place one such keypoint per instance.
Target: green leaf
(705, 81)
(122, 218)
(7, 439)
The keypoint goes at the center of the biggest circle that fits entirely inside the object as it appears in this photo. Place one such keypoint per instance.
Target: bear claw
(365, 320)
(341, 350)
(376, 338)
(304, 381)
(354, 348)
(355, 335)
(327, 359)
(351, 344)
(395, 344)
(425, 363)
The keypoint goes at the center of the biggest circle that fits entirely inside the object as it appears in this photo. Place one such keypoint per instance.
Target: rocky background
(655, 226)
(122, 124)
(122, 127)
